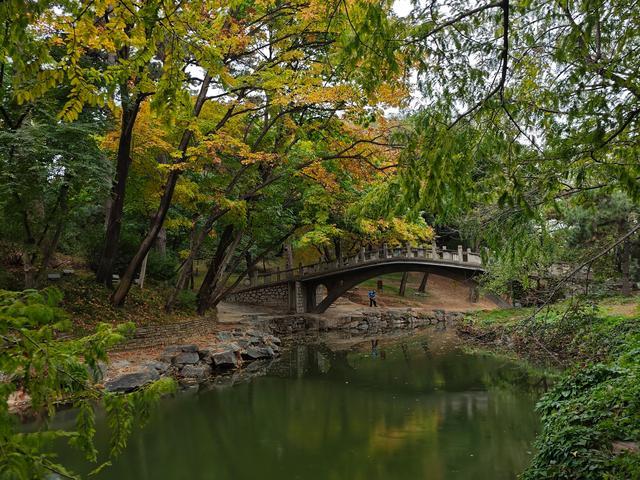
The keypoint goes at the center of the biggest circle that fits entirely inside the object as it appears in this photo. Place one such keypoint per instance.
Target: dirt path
(442, 293)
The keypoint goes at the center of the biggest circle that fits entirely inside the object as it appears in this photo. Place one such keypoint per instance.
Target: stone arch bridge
(297, 289)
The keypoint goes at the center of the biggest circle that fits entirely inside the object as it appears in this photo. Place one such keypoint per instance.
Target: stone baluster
(409, 252)
(469, 254)
(460, 253)
(385, 250)
(434, 250)
(363, 254)
(444, 252)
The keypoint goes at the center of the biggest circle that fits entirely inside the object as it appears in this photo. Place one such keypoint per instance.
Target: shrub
(162, 267)
(582, 416)
(48, 372)
(186, 300)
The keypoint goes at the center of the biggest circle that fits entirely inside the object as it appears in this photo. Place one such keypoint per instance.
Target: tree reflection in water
(426, 411)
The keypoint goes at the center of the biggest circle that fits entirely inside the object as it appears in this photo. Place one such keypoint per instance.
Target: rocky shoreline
(371, 321)
(206, 358)
(191, 364)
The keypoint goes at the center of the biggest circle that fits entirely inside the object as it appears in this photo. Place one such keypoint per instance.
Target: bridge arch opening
(340, 283)
(320, 294)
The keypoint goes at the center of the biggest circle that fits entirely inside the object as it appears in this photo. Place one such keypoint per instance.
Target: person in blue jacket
(372, 298)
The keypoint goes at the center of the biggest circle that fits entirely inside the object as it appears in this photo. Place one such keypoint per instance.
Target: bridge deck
(458, 259)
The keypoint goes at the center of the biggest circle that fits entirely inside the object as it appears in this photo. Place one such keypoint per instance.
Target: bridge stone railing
(427, 252)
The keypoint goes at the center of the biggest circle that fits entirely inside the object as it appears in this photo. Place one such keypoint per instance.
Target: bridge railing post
(460, 259)
(409, 252)
(385, 250)
(434, 250)
(444, 254)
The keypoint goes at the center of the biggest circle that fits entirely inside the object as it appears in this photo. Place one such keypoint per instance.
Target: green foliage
(186, 299)
(524, 128)
(49, 372)
(162, 267)
(583, 415)
(596, 402)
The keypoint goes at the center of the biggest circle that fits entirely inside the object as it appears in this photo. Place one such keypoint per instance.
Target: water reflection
(384, 411)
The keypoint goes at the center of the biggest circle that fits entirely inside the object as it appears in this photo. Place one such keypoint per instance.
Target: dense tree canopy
(195, 139)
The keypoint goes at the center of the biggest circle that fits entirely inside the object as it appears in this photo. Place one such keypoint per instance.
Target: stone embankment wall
(162, 333)
(374, 322)
(273, 295)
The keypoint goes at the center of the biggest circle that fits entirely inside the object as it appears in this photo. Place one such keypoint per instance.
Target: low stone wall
(275, 295)
(164, 333)
(374, 322)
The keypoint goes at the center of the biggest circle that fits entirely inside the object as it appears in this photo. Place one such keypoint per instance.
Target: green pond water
(412, 408)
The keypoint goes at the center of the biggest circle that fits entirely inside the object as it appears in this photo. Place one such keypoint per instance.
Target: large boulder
(225, 359)
(185, 358)
(198, 372)
(255, 353)
(173, 350)
(188, 348)
(206, 353)
(160, 367)
(128, 382)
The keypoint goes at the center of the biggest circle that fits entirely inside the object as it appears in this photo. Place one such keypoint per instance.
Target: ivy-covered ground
(591, 416)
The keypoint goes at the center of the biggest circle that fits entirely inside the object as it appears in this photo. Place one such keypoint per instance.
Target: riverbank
(591, 416)
(404, 404)
(196, 351)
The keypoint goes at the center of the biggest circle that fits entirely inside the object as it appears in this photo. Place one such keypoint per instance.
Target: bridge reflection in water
(418, 410)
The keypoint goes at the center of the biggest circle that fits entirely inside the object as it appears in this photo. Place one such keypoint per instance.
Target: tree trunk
(126, 280)
(223, 289)
(197, 239)
(118, 188)
(337, 246)
(161, 242)
(226, 247)
(50, 247)
(251, 268)
(118, 297)
(625, 267)
(288, 252)
(28, 269)
(403, 283)
(423, 283)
